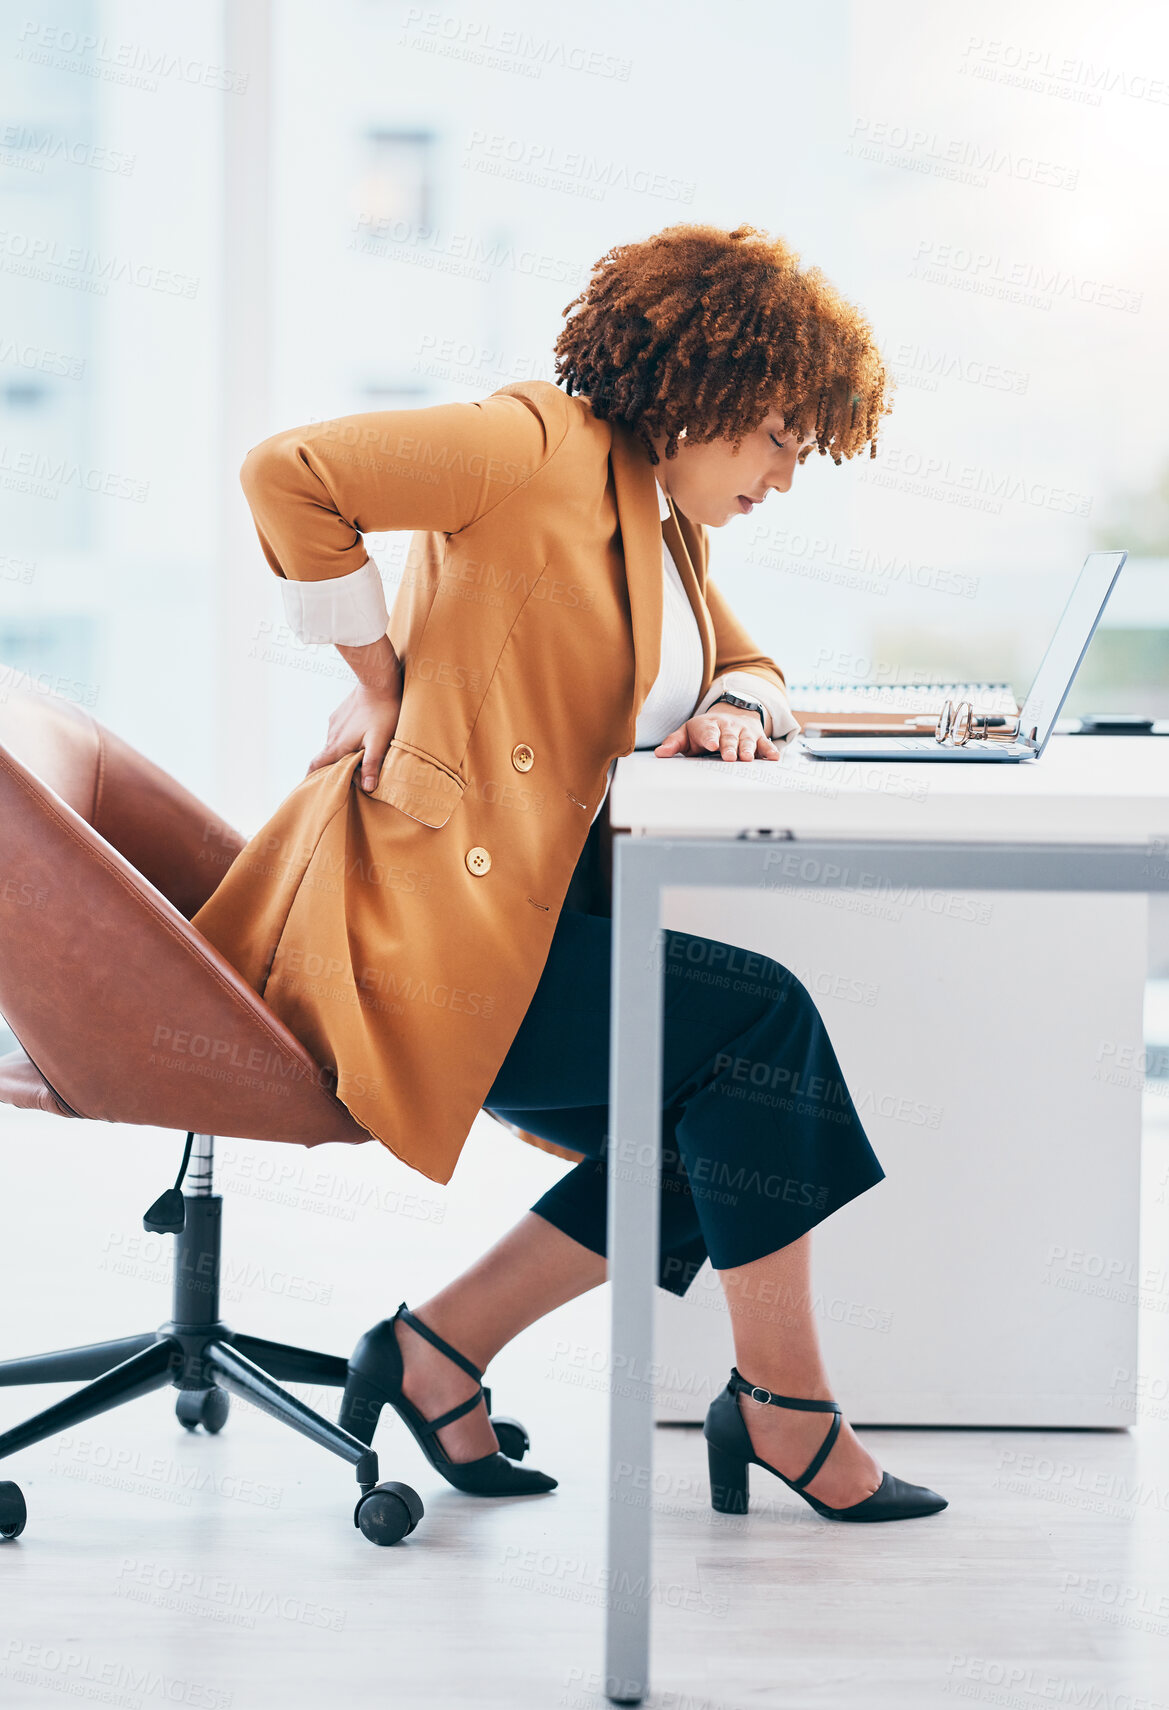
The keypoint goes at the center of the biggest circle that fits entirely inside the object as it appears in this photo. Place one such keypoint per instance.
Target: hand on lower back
(367, 718)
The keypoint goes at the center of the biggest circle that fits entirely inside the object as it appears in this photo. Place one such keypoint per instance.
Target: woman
(428, 909)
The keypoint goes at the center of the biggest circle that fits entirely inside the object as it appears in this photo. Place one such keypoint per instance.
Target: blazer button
(478, 861)
(522, 757)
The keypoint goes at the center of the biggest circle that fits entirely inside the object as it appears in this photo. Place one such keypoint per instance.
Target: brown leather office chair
(124, 1013)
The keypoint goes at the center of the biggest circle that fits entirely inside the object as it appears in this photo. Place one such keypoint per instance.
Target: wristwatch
(748, 706)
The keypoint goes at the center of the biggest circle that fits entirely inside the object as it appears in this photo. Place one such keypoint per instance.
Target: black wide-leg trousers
(760, 1137)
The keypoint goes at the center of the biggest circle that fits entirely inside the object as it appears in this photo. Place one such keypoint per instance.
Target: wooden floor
(157, 1564)
(224, 1573)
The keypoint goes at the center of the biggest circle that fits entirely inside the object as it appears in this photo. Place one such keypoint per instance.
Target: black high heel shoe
(375, 1380)
(730, 1452)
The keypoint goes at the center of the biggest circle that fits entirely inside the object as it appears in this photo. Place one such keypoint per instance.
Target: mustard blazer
(401, 933)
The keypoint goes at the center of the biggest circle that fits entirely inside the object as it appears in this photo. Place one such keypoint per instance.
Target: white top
(674, 691)
(347, 609)
(351, 610)
(675, 688)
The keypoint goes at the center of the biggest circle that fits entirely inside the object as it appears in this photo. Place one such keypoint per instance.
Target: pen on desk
(989, 721)
(817, 732)
(916, 725)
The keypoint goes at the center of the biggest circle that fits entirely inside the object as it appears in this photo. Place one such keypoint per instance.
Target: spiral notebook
(890, 709)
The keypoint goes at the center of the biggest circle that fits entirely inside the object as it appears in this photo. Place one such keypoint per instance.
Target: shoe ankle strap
(737, 1383)
(756, 1391)
(415, 1323)
(453, 1413)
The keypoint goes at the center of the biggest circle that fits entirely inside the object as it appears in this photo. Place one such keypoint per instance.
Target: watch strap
(746, 705)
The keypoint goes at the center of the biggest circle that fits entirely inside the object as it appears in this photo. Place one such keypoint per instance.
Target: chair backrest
(165, 832)
(127, 1012)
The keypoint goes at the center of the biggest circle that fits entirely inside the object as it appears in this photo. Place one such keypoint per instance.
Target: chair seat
(23, 1085)
(124, 1012)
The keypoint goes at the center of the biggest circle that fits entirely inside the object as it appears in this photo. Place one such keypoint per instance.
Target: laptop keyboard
(916, 744)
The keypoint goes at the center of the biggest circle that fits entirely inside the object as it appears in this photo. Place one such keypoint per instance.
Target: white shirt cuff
(350, 609)
(753, 688)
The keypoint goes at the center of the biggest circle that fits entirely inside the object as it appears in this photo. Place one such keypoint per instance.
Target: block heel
(361, 1406)
(730, 1451)
(728, 1481)
(375, 1381)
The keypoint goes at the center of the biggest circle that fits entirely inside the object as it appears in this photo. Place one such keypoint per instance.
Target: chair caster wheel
(13, 1513)
(514, 1441)
(388, 1513)
(206, 1407)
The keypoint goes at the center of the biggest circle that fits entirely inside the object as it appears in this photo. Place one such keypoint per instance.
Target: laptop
(1045, 699)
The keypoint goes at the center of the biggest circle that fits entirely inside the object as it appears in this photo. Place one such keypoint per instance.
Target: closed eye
(779, 444)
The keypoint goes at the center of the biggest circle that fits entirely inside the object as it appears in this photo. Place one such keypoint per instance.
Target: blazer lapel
(642, 532)
(679, 543)
(635, 488)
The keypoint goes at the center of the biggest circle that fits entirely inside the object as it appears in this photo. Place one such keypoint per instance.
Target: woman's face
(711, 483)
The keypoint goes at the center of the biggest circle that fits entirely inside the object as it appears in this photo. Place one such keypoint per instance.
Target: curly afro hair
(704, 330)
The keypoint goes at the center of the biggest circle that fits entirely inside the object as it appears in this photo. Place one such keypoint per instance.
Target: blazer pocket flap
(418, 785)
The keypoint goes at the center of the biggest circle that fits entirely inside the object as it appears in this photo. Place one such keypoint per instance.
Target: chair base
(206, 1361)
(196, 1361)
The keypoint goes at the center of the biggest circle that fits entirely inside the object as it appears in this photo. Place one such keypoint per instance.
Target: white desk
(1085, 789)
(1091, 816)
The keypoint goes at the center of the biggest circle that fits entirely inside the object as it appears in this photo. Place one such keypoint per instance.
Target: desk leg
(635, 1074)
(642, 867)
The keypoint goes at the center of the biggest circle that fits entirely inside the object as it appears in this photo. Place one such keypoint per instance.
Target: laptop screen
(1068, 645)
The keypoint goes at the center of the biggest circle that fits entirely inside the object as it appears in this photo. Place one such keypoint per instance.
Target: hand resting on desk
(725, 730)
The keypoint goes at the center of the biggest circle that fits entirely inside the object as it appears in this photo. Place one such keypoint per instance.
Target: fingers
(371, 763)
(330, 754)
(753, 745)
(372, 756)
(706, 734)
(734, 739)
(727, 735)
(671, 744)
